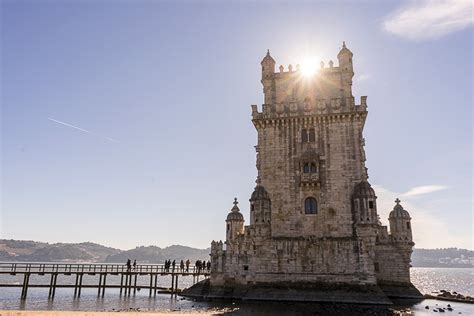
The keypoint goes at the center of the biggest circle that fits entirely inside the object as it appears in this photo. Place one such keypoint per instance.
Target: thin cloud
(69, 125)
(110, 139)
(425, 189)
(362, 77)
(113, 140)
(430, 19)
(429, 231)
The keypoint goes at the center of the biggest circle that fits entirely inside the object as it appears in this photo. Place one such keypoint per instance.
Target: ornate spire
(268, 58)
(397, 201)
(344, 50)
(235, 201)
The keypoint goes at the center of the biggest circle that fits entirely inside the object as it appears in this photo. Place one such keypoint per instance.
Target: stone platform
(300, 292)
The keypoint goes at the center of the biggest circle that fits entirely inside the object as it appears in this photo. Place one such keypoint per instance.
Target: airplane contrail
(110, 139)
(69, 125)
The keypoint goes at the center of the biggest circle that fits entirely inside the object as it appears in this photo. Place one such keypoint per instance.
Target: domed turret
(345, 58)
(234, 222)
(364, 190)
(260, 205)
(364, 203)
(268, 66)
(259, 193)
(400, 223)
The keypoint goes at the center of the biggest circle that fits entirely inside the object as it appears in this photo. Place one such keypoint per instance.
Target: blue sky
(128, 122)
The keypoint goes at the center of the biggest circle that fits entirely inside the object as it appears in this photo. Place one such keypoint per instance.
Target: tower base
(294, 292)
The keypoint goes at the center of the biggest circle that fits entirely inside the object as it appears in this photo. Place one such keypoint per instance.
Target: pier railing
(40, 268)
(128, 276)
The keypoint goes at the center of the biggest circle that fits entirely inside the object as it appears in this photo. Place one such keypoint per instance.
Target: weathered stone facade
(313, 215)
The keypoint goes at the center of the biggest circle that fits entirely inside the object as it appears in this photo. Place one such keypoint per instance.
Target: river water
(426, 280)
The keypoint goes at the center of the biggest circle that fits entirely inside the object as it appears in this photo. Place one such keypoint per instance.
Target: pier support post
(135, 285)
(76, 284)
(80, 285)
(121, 284)
(176, 283)
(151, 284)
(172, 283)
(129, 284)
(100, 284)
(24, 290)
(51, 286)
(156, 283)
(103, 285)
(55, 280)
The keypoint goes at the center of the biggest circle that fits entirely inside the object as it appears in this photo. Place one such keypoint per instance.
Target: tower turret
(345, 58)
(260, 206)
(234, 223)
(268, 78)
(364, 203)
(400, 223)
(268, 66)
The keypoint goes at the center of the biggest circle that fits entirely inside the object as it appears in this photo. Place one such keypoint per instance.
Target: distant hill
(445, 257)
(153, 254)
(25, 250)
(32, 251)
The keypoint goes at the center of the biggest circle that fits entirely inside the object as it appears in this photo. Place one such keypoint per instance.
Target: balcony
(309, 179)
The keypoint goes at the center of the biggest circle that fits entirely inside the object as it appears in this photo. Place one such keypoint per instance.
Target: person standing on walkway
(181, 265)
(187, 265)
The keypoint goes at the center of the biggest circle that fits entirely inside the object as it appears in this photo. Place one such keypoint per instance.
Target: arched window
(306, 168)
(304, 135)
(313, 168)
(312, 136)
(310, 206)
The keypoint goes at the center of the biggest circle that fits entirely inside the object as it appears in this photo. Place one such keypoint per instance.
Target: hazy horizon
(166, 246)
(129, 123)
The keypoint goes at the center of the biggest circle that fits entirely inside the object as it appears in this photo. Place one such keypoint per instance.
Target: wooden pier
(128, 277)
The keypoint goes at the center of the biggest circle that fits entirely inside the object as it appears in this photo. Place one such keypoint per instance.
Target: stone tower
(400, 223)
(313, 213)
(234, 223)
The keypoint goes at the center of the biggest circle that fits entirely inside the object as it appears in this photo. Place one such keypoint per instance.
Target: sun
(309, 66)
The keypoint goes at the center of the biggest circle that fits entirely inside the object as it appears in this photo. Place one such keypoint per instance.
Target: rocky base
(294, 292)
(401, 291)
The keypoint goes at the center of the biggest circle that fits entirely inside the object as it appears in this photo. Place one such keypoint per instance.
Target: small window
(313, 168)
(246, 268)
(408, 226)
(371, 204)
(376, 267)
(306, 168)
(310, 206)
(228, 227)
(252, 207)
(312, 136)
(304, 136)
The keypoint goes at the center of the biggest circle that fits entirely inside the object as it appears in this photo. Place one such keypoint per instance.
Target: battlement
(297, 71)
(310, 107)
(217, 247)
(300, 83)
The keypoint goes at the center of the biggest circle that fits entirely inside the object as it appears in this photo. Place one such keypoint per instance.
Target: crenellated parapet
(318, 107)
(217, 247)
(301, 83)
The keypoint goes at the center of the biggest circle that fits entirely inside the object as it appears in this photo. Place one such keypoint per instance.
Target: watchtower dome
(234, 222)
(400, 223)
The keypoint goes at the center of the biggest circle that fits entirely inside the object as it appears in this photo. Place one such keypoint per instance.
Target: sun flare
(309, 66)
